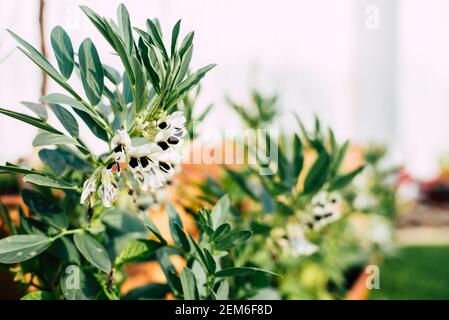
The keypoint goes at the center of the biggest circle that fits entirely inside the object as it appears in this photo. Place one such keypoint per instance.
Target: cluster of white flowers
(293, 241)
(151, 165)
(326, 208)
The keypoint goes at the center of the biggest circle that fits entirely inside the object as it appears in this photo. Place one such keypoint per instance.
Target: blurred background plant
(298, 214)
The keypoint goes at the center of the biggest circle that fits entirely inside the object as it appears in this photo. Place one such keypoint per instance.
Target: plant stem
(66, 232)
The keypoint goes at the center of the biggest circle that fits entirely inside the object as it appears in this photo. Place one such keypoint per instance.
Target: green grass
(415, 273)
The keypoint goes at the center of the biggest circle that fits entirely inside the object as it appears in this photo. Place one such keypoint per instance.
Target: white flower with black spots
(171, 131)
(326, 208)
(151, 166)
(108, 191)
(121, 144)
(89, 189)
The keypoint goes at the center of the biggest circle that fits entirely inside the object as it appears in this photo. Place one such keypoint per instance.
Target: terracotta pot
(359, 291)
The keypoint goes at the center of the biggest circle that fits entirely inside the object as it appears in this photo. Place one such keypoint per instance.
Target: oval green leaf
(38, 109)
(93, 251)
(20, 248)
(137, 251)
(91, 71)
(48, 138)
(318, 174)
(46, 207)
(66, 118)
(47, 182)
(63, 49)
(78, 284)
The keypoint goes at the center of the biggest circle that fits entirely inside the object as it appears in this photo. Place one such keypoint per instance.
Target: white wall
(387, 85)
(423, 106)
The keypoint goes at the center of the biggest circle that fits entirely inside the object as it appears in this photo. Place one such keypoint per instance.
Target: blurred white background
(373, 70)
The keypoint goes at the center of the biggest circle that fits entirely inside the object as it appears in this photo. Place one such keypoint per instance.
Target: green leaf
(78, 284)
(223, 290)
(174, 37)
(119, 47)
(20, 248)
(318, 174)
(16, 169)
(62, 47)
(221, 231)
(112, 74)
(211, 264)
(32, 226)
(72, 160)
(99, 23)
(284, 209)
(156, 37)
(137, 251)
(125, 28)
(298, 158)
(123, 221)
(241, 271)
(185, 86)
(229, 240)
(220, 211)
(39, 295)
(30, 120)
(184, 68)
(59, 98)
(64, 249)
(93, 126)
(48, 138)
(200, 253)
(186, 44)
(268, 204)
(93, 251)
(182, 238)
(154, 77)
(38, 58)
(241, 181)
(141, 92)
(154, 291)
(46, 207)
(173, 220)
(176, 231)
(108, 30)
(149, 224)
(47, 182)
(338, 158)
(87, 115)
(91, 71)
(66, 119)
(342, 181)
(54, 160)
(39, 109)
(189, 287)
(284, 167)
(169, 271)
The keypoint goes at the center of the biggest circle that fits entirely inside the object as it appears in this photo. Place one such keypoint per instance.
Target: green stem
(67, 232)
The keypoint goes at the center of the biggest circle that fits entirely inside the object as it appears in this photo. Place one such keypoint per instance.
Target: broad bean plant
(85, 215)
